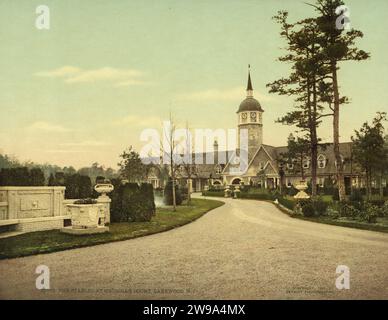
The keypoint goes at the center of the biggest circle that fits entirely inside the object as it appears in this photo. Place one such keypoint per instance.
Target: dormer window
(321, 161)
(306, 164)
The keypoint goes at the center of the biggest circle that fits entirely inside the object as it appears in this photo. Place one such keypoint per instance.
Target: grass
(381, 225)
(53, 240)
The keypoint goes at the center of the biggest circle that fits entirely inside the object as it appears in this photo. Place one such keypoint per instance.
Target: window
(218, 169)
(261, 165)
(321, 161)
(306, 164)
(321, 182)
(290, 166)
(244, 117)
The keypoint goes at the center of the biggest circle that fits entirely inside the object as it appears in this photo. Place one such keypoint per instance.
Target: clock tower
(250, 117)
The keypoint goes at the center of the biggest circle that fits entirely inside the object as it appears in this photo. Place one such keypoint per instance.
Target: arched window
(321, 161)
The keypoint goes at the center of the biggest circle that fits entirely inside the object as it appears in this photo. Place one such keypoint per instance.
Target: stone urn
(84, 216)
(227, 192)
(301, 187)
(236, 193)
(103, 188)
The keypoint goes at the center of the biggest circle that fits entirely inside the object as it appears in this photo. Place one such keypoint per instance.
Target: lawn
(53, 240)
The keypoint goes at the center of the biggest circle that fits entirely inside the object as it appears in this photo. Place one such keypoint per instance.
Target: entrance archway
(236, 181)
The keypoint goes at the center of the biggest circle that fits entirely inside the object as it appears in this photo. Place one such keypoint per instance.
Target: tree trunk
(189, 184)
(314, 143)
(173, 182)
(339, 167)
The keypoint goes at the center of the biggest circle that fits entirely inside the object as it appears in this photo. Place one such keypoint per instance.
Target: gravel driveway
(245, 249)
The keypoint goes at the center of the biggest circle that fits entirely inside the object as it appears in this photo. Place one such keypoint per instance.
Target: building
(266, 166)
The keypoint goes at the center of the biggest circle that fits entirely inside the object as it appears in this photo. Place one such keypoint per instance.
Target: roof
(250, 104)
(249, 86)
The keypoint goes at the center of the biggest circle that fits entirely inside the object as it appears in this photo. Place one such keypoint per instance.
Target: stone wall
(27, 209)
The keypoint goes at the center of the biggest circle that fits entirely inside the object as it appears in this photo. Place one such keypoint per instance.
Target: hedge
(22, 177)
(132, 203)
(77, 186)
(168, 201)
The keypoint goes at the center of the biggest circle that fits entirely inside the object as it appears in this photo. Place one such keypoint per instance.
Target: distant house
(266, 164)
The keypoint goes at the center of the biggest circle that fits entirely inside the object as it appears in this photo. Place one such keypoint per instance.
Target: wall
(29, 209)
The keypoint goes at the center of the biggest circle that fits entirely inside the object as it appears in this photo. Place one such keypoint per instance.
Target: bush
(370, 213)
(257, 196)
(384, 209)
(77, 186)
(291, 191)
(168, 201)
(290, 204)
(184, 192)
(86, 201)
(356, 195)
(213, 193)
(21, 177)
(349, 211)
(320, 206)
(131, 203)
(308, 210)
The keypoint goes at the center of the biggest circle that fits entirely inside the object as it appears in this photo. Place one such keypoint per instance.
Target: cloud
(231, 94)
(45, 126)
(60, 72)
(119, 77)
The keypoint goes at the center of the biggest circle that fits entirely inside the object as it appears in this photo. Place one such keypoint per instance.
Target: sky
(83, 91)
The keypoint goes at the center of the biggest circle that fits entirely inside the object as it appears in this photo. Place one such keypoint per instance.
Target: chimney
(215, 150)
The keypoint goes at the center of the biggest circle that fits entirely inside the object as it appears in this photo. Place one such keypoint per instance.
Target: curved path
(245, 249)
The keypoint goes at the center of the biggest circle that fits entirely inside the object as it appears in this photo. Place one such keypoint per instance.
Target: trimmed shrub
(77, 186)
(131, 203)
(213, 193)
(320, 206)
(308, 210)
(184, 192)
(291, 191)
(290, 204)
(167, 199)
(21, 177)
(37, 177)
(148, 201)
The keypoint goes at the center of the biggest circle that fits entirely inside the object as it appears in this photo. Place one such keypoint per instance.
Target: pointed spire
(249, 86)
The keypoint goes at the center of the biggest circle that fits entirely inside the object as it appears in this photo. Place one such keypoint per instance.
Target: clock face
(253, 116)
(244, 116)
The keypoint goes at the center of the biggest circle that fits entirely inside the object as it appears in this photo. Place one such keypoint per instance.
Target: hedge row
(131, 203)
(21, 177)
